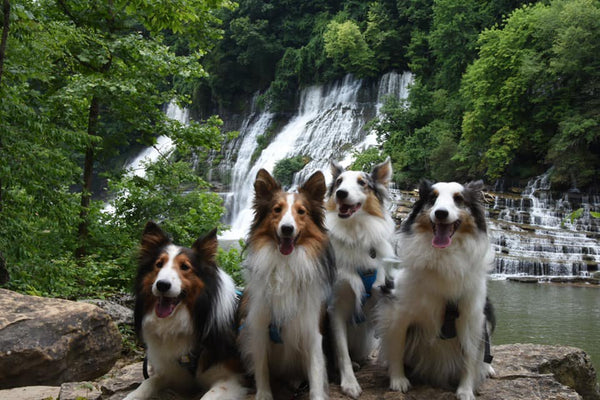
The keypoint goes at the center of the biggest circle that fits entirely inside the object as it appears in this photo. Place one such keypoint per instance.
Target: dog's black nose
(341, 194)
(163, 286)
(441, 213)
(287, 230)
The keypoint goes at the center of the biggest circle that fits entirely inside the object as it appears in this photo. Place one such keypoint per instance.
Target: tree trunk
(5, 26)
(86, 190)
(3, 41)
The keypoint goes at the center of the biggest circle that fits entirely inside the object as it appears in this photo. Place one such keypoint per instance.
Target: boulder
(120, 314)
(51, 341)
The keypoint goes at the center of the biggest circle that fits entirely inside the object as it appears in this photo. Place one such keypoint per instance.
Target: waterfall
(533, 236)
(327, 126)
(163, 147)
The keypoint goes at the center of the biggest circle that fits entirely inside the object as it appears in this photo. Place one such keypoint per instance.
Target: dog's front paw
(133, 396)
(489, 370)
(465, 394)
(400, 384)
(350, 387)
(263, 395)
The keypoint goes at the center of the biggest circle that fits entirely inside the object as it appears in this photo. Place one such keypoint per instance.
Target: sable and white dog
(360, 230)
(433, 320)
(185, 314)
(289, 270)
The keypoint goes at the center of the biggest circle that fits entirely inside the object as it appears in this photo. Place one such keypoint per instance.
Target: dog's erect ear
(475, 186)
(314, 188)
(476, 190)
(265, 185)
(206, 246)
(382, 173)
(336, 169)
(424, 188)
(153, 236)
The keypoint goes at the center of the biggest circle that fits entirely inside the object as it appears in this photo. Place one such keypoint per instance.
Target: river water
(547, 314)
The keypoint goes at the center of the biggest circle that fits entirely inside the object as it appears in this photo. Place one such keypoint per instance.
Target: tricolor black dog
(185, 315)
(433, 321)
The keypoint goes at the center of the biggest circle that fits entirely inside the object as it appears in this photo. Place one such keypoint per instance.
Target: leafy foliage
(345, 44)
(83, 80)
(531, 95)
(285, 169)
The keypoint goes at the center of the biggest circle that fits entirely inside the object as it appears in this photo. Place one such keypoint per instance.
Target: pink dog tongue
(165, 306)
(286, 246)
(347, 210)
(442, 235)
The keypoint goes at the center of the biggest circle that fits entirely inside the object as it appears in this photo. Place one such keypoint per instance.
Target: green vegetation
(502, 89)
(80, 81)
(285, 169)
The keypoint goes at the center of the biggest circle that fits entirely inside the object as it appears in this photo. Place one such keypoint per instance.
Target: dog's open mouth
(346, 210)
(166, 305)
(286, 245)
(442, 234)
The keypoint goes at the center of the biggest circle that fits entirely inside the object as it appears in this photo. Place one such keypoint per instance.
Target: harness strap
(487, 354)
(275, 333)
(145, 368)
(368, 279)
(189, 361)
(448, 330)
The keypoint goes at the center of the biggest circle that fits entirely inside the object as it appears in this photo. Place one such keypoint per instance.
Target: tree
(119, 65)
(532, 96)
(345, 44)
(82, 81)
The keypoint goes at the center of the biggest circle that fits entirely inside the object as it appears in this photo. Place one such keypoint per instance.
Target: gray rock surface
(51, 341)
(523, 372)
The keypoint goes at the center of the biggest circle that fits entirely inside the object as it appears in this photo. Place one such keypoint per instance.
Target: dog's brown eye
(338, 182)
(159, 264)
(361, 182)
(277, 209)
(301, 211)
(185, 267)
(458, 199)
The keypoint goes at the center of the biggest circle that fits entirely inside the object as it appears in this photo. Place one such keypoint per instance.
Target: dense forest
(503, 89)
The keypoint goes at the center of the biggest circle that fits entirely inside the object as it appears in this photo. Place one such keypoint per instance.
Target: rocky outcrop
(51, 341)
(523, 372)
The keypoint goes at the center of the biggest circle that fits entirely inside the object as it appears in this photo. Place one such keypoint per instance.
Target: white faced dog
(360, 230)
(432, 322)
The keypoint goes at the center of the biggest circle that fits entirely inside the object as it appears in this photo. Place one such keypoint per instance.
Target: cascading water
(533, 236)
(328, 125)
(163, 148)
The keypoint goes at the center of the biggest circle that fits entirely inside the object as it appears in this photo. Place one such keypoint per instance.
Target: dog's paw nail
(400, 384)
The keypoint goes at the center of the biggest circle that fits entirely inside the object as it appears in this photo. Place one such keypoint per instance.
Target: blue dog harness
(368, 279)
(274, 330)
